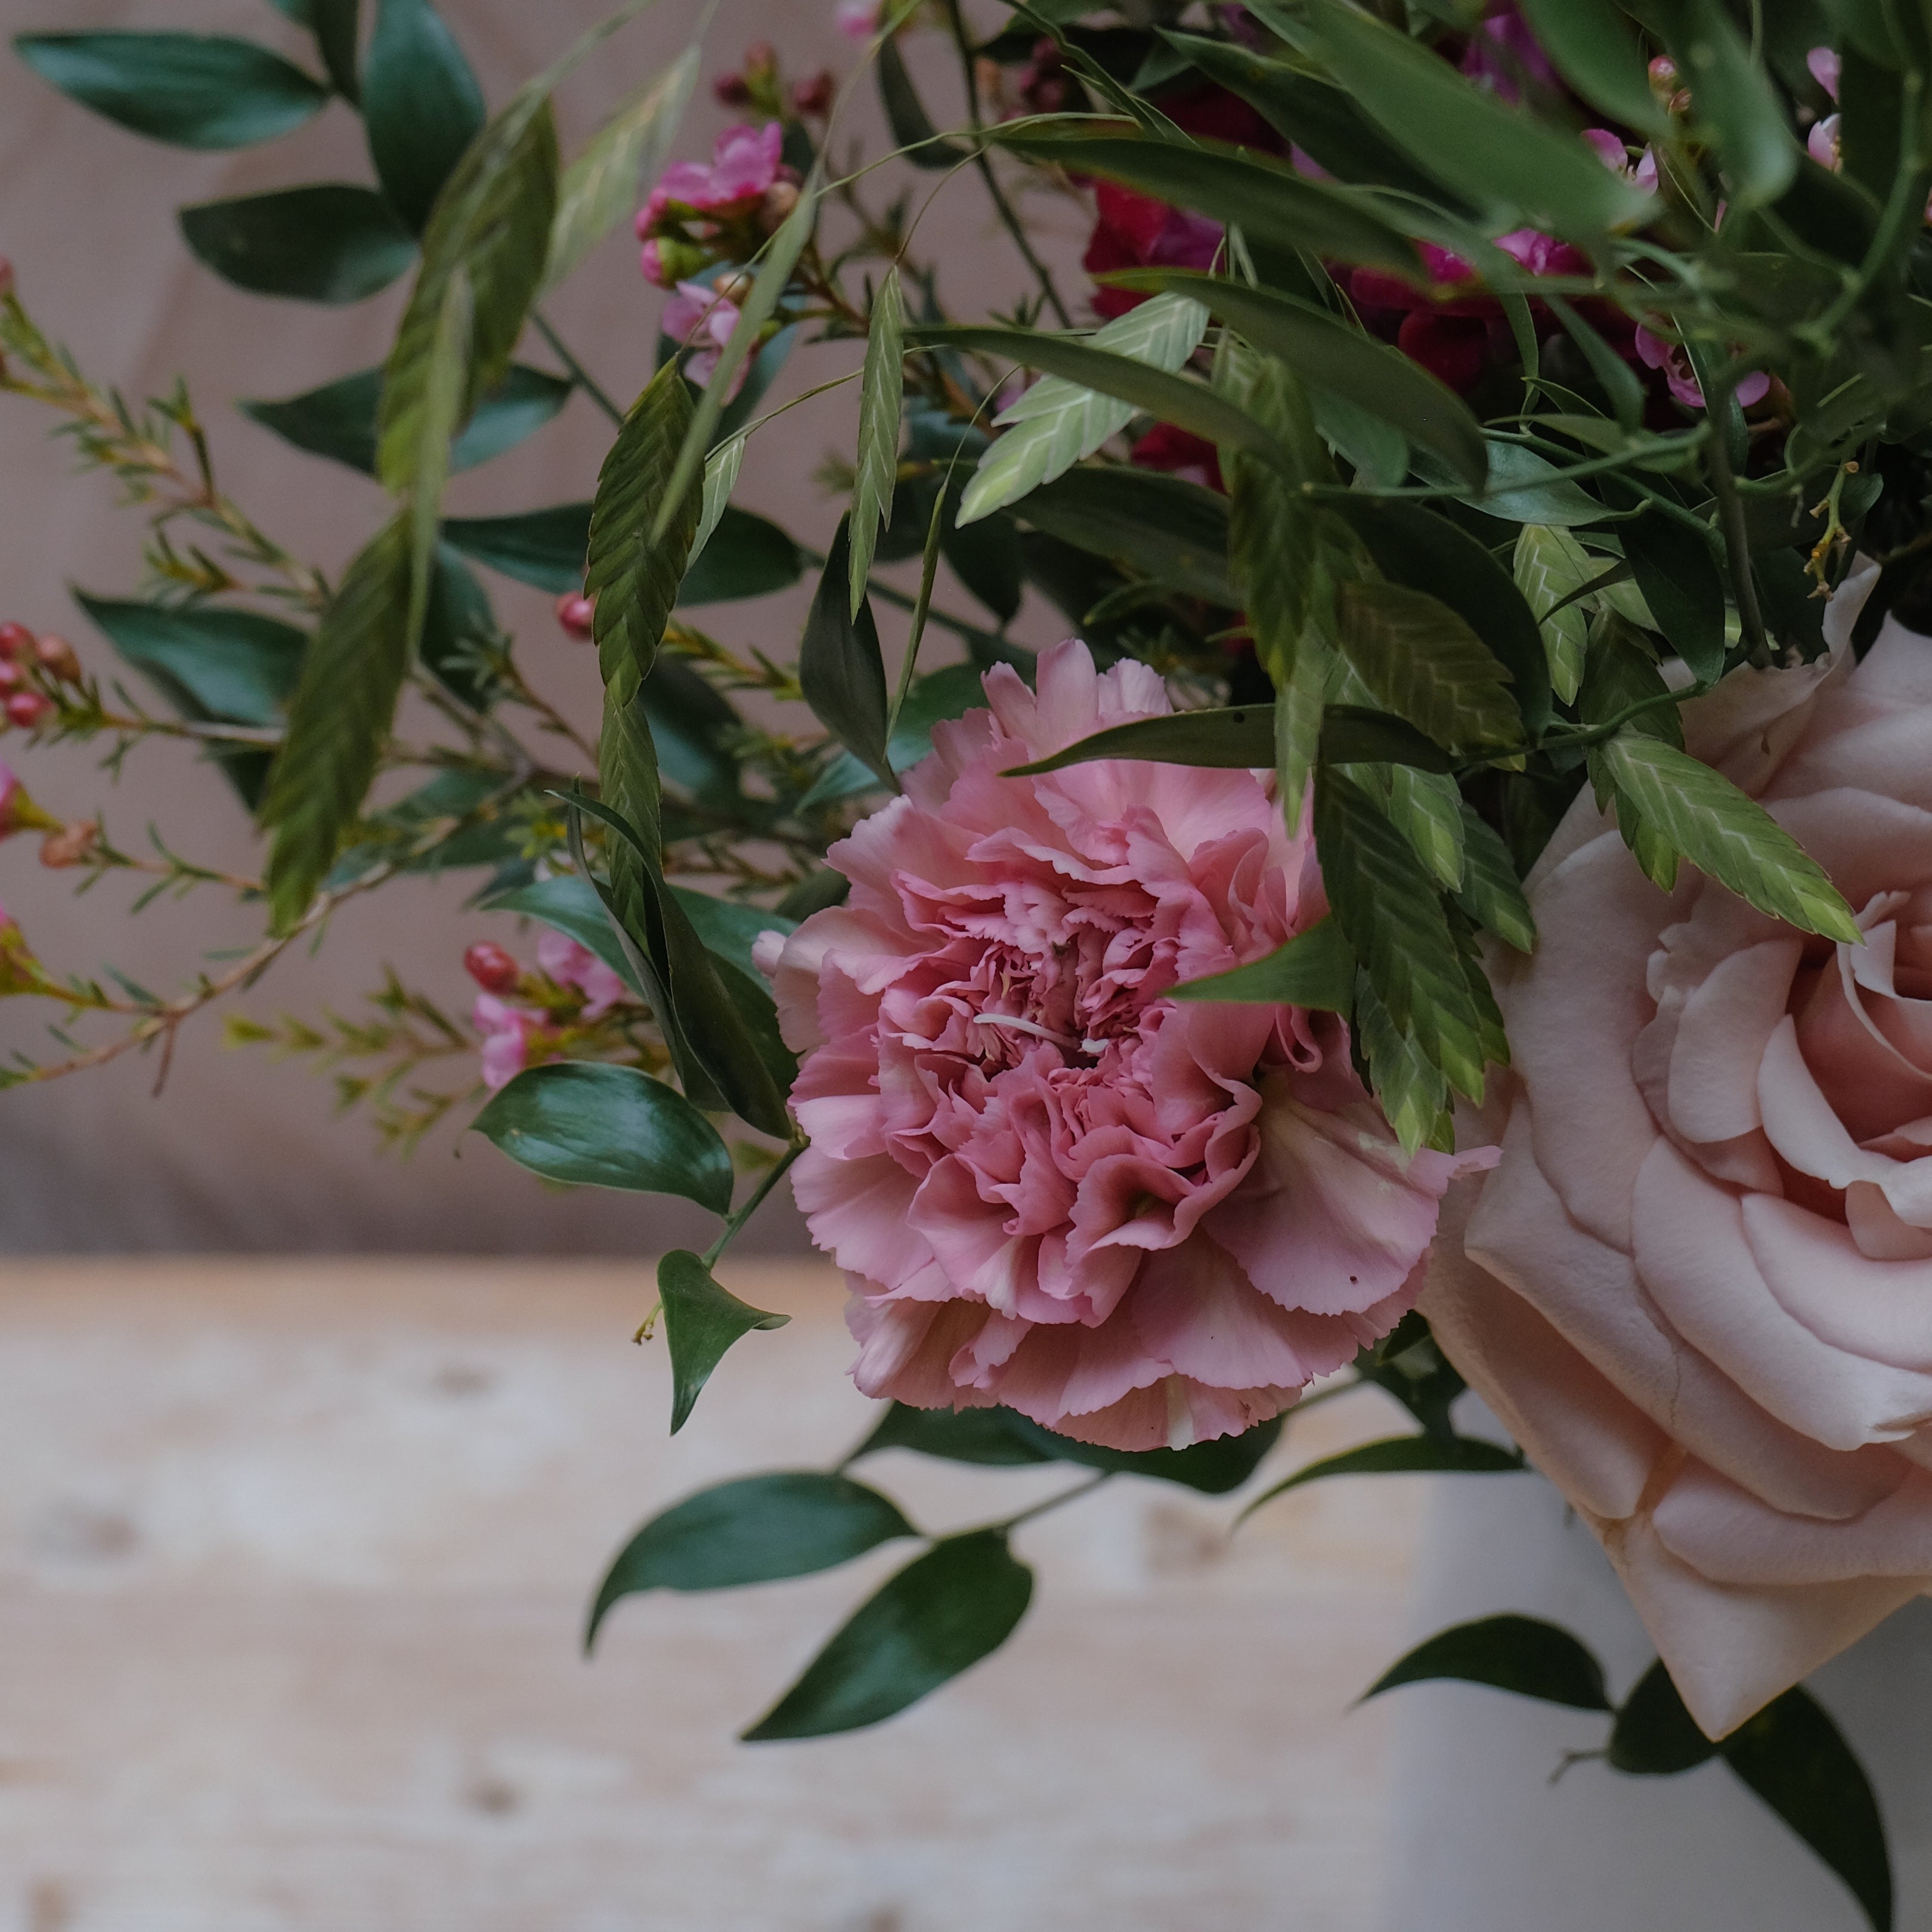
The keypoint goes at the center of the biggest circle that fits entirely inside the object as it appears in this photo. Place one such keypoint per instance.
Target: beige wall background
(237, 1152)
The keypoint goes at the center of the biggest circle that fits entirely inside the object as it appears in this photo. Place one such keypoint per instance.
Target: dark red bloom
(491, 967)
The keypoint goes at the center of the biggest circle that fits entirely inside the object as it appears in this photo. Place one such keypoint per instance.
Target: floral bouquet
(1457, 915)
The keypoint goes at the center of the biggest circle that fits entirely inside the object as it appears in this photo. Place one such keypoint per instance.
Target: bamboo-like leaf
(721, 479)
(760, 303)
(600, 188)
(1414, 1095)
(881, 406)
(1426, 807)
(1425, 664)
(1491, 894)
(338, 720)
(1551, 567)
(1057, 424)
(1700, 814)
(1315, 969)
(434, 426)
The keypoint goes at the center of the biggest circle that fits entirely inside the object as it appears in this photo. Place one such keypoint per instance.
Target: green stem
(1731, 521)
(580, 375)
(921, 610)
(779, 1169)
(1072, 1496)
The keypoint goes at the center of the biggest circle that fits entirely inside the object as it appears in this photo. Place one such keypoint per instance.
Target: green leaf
(1732, 101)
(459, 630)
(1393, 918)
(721, 479)
(589, 1125)
(1590, 45)
(570, 904)
(1491, 894)
(546, 548)
(600, 188)
(1162, 529)
(939, 1616)
(1215, 1468)
(421, 105)
(1411, 1090)
(1315, 969)
(1797, 1760)
(1057, 423)
(976, 1436)
(911, 126)
(729, 927)
(1655, 1736)
(701, 1321)
(1407, 1364)
(1681, 582)
(881, 405)
(1321, 348)
(1551, 567)
(330, 243)
(338, 421)
(1401, 1456)
(1427, 808)
(423, 464)
(334, 23)
(1350, 736)
(338, 720)
(491, 225)
(840, 670)
(1240, 737)
(1702, 815)
(759, 1529)
(1423, 550)
(1274, 205)
(1176, 399)
(1502, 157)
(746, 556)
(1523, 1654)
(190, 90)
(236, 666)
(1527, 488)
(1423, 662)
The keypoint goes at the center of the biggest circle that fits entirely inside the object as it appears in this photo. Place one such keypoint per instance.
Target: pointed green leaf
(1353, 736)
(1655, 1736)
(911, 126)
(728, 927)
(339, 721)
(1162, 529)
(1423, 662)
(1240, 737)
(759, 1529)
(701, 1321)
(977, 1435)
(1491, 894)
(746, 556)
(1315, 969)
(421, 105)
(190, 90)
(1057, 424)
(1413, 1094)
(1797, 1760)
(1523, 1654)
(721, 479)
(939, 1616)
(840, 669)
(1732, 101)
(234, 665)
(1699, 813)
(547, 548)
(589, 1125)
(1590, 44)
(334, 23)
(1402, 1455)
(1551, 567)
(331, 243)
(881, 405)
(600, 188)
(1215, 1468)
(570, 903)
(1681, 584)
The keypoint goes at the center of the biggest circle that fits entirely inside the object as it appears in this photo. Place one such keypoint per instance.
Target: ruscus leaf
(421, 104)
(331, 243)
(1523, 1654)
(840, 669)
(701, 1321)
(1655, 1736)
(1401, 1456)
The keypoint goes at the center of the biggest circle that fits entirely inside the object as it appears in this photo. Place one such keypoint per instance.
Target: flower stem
(580, 375)
(779, 1169)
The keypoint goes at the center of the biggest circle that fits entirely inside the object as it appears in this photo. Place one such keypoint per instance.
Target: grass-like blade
(881, 406)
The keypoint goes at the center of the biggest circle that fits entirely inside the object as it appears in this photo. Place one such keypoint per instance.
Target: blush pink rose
(1698, 1288)
(1051, 1185)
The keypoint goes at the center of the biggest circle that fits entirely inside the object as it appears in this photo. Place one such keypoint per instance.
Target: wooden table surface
(293, 1562)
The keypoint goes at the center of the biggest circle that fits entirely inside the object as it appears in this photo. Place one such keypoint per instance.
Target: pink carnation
(570, 964)
(1656, 353)
(1051, 1185)
(698, 315)
(507, 1033)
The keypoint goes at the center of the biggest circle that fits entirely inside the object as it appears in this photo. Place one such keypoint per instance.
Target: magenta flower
(507, 1033)
(693, 200)
(1503, 52)
(1826, 68)
(1051, 1185)
(1656, 353)
(700, 318)
(570, 964)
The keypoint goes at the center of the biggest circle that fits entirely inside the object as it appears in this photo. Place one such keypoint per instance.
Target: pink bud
(491, 967)
(576, 613)
(57, 658)
(26, 708)
(15, 640)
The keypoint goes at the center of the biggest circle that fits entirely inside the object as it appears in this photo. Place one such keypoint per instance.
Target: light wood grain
(293, 1559)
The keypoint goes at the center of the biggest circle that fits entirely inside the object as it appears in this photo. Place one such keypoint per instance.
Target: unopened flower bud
(576, 613)
(734, 289)
(813, 97)
(781, 198)
(27, 709)
(731, 90)
(70, 845)
(491, 967)
(15, 640)
(1663, 74)
(11, 676)
(57, 658)
(761, 60)
(19, 971)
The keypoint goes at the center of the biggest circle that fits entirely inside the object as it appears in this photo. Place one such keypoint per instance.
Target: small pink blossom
(570, 964)
(1826, 68)
(1822, 143)
(701, 318)
(1051, 1185)
(694, 200)
(507, 1033)
(858, 19)
(1503, 52)
(1656, 353)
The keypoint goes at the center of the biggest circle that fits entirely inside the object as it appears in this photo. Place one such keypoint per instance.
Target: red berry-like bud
(575, 613)
(813, 97)
(27, 708)
(491, 967)
(731, 91)
(15, 640)
(57, 658)
(70, 845)
(11, 676)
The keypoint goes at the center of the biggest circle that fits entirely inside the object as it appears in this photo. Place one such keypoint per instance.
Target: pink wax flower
(1822, 143)
(1503, 52)
(1826, 68)
(1656, 353)
(507, 1033)
(857, 20)
(701, 318)
(693, 200)
(1139, 1221)
(575, 966)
